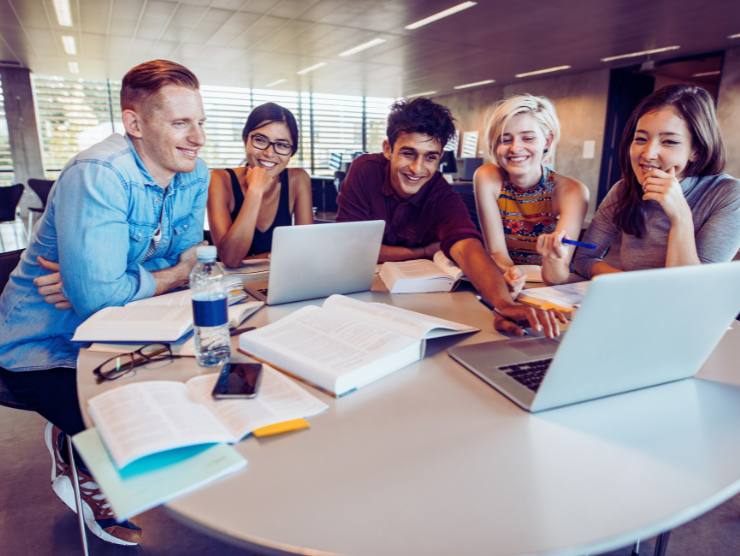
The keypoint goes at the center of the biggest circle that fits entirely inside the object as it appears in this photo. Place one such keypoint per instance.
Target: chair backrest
(9, 198)
(8, 261)
(41, 188)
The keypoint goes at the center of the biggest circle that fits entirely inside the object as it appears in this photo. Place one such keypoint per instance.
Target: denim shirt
(99, 222)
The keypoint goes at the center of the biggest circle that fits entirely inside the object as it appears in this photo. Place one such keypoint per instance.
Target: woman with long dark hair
(673, 205)
(246, 204)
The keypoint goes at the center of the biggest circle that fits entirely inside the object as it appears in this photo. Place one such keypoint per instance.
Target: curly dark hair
(696, 107)
(420, 115)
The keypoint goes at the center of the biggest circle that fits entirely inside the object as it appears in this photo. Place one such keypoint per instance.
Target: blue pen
(579, 243)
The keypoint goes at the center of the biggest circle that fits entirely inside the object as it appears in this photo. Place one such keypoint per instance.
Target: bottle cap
(206, 253)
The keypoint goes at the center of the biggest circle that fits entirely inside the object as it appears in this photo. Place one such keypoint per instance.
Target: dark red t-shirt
(436, 213)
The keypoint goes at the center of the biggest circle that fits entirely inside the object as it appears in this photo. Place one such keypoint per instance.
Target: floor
(33, 521)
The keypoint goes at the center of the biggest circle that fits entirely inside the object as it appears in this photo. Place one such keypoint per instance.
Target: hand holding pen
(552, 246)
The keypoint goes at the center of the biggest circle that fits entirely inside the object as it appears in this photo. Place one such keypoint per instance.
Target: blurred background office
(339, 64)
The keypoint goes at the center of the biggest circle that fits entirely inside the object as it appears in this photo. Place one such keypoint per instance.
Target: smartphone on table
(238, 380)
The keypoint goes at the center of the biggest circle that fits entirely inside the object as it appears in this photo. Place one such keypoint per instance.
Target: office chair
(42, 189)
(8, 261)
(9, 198)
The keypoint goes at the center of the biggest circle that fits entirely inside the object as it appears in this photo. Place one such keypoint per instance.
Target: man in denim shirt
(121, 224)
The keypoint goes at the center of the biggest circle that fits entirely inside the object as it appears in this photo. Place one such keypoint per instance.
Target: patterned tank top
(525, 214)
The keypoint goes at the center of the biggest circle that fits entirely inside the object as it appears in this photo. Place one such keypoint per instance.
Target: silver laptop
(318, 260)
(633, 330)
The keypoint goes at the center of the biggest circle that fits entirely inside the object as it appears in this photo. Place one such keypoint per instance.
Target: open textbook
(144, 418)
(437, 275)
(347, 343)
(162, 318)
(237, 315)
(565, 297)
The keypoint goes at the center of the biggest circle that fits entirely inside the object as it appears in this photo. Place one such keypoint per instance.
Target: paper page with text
(279, 399)
(409, 323)
(565, 296)
(146, 417)
(131, 323)
(322, 345)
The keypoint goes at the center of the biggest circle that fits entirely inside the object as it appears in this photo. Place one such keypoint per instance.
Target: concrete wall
(25, 144)
(728, 109)
(470, 108)
(580, 100)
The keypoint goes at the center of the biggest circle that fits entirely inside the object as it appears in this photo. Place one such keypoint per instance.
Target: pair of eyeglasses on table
(121, 364)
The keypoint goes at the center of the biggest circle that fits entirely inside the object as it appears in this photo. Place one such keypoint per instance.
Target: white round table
(431, 460)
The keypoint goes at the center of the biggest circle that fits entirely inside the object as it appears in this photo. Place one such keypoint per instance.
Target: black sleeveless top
(262, 241)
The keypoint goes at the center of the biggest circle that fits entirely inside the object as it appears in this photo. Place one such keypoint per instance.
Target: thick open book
(347, 343)
(565, 297)
(143, 418)
(419, 276)
(437, 275)
(162, 318)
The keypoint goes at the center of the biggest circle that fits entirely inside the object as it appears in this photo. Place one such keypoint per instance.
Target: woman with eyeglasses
(246, 204)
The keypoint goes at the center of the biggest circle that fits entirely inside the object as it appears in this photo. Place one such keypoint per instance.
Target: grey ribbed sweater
(715, 207)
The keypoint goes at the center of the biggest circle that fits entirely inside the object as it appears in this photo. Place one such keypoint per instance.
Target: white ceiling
(256, 42)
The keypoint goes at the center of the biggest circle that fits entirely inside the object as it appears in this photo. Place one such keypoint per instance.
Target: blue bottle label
(210, 312)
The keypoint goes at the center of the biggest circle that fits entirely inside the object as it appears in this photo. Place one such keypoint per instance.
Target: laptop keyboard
(529, 374)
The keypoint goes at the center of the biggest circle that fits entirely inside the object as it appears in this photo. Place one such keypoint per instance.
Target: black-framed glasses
(123, 363)
(261, 142)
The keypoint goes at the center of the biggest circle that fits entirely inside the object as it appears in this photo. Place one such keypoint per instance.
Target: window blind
(6, 162)
(74, 114)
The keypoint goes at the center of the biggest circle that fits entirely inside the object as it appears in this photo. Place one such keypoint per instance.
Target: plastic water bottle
(210, 316)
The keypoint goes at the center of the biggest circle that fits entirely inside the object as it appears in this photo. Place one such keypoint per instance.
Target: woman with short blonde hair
(526, 209)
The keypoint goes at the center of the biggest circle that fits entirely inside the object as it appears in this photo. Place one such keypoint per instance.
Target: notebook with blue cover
(153, 480)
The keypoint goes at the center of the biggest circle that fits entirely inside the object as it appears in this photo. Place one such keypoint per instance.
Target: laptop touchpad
(534, 347)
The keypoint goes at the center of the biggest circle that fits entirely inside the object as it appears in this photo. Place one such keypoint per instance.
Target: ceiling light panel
(440, 15)
(475, 84)
(70, 46)
(423, 94)
(641, 53)
(275, 83)
(543, 70)
(63, 12)
(309, 69)
(363, 46)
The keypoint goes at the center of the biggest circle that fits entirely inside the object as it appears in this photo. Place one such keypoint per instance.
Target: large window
(74, 114)
(6, 162)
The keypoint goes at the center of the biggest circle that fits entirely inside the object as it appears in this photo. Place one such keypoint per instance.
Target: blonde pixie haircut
(541, 109)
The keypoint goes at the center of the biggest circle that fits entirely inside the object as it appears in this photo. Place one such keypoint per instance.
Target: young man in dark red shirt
(403, 187)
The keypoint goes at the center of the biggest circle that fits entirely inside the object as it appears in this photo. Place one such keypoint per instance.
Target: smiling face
(414, 159)
(661, 140)
(521, 148)
(167, 131)
(274, 132)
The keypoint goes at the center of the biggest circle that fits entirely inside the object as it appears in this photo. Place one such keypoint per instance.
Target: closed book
(157, 478)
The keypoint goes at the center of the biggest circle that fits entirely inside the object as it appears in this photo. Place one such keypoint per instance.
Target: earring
(547, 150)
